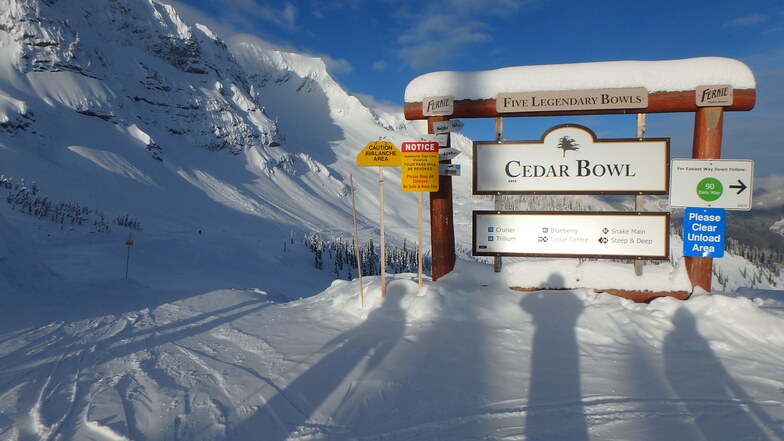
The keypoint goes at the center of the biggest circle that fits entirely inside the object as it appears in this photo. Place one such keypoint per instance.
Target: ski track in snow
(200, 371)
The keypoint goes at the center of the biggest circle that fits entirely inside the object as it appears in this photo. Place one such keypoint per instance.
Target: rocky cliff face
(117, 102)
(131, 63)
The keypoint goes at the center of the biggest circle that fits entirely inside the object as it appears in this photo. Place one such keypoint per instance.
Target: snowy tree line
(339, 256)
(768, 259)
(548, 203)
(29, 200)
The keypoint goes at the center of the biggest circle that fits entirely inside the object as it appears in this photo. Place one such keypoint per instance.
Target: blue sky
(374, 48)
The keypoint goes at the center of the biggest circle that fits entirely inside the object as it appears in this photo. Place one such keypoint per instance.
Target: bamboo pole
(383, 249)
(356, 243)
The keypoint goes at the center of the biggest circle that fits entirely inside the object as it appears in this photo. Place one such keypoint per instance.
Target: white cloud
(441, 30)
(380, 65)
(289, 16)
(373, 103)
(335, 65)
(748, 20)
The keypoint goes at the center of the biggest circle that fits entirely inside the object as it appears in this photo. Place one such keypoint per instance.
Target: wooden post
(419, 237)
(499, 136)
(442, 229)
(707, 145)
(128, 243)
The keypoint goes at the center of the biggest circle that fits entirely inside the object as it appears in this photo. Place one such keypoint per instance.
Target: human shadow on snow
(720, 407)
(555, 407)
(295, 406)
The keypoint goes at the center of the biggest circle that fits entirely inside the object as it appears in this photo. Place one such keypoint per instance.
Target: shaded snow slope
(464, 358)
(121, 106)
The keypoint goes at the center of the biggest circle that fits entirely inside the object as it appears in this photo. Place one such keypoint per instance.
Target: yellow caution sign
(379, 154)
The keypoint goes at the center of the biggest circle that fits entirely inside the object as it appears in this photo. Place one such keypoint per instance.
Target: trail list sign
(419, 166)
(572, 234)
(379, 154)
(570, 160)
(569, 100)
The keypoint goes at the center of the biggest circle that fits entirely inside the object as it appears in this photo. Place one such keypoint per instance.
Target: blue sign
(703, 232)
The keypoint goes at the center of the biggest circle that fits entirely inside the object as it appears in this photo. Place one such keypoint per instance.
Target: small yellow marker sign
(379, 154)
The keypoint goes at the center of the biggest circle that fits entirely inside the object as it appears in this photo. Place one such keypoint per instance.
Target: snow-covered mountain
(124, 97)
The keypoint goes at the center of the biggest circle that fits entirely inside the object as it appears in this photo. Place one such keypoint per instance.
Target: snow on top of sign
(656, 76)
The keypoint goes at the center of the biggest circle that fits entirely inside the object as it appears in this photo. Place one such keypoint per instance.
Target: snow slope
(463, 358)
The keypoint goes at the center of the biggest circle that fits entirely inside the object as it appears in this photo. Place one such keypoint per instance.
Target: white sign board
(570, 160)
(448, 153)
(602, 234)
(449, 169)
(712, 183)
(451, 125)
(441, 138)
(438, 106)
(627, 98)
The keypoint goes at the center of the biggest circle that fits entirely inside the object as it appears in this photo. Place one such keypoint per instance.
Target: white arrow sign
(451, 125)
(449, 169)
(440, 138)
(711, 183)
(448, 153)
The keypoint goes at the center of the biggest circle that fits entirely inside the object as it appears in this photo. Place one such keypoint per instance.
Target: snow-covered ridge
(130, 63)
(656, 76)
(127, 97)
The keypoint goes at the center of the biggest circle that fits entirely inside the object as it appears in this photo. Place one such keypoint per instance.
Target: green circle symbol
(709, 189)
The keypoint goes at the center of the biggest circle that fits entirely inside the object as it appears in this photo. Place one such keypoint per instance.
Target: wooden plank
(658, 102)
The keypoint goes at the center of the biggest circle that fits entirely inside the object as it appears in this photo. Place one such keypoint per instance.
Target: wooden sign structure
(706, 86)
(380, 154)
(419, 173)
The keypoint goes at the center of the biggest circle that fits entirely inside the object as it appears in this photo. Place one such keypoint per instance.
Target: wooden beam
(708, 122)
(658, 102)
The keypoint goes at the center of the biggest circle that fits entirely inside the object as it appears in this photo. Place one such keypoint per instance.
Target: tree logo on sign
(567, 143)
